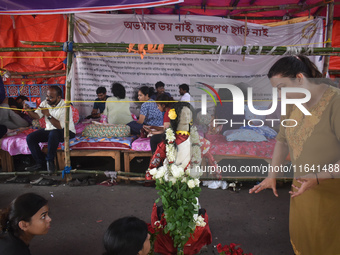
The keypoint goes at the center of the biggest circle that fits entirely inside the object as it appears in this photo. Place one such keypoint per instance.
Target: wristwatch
(49, 117)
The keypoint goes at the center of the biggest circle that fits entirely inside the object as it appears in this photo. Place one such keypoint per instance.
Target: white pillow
(244, 135)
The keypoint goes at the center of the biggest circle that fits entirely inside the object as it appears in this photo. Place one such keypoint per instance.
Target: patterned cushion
(97, 130)
(36, 124)
(244, 135)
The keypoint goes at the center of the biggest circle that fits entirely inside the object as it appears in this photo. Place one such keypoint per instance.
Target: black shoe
(36, 167)
(50, 167)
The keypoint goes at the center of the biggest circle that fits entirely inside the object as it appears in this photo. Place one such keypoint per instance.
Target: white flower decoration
(170, 152)
(160, 173)
(170, 136)
(191, 184)
(200, 221)
(153, 172)
(172, 179)
(176, 171)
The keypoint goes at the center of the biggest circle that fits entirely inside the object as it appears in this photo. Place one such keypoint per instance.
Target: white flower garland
(172, 172)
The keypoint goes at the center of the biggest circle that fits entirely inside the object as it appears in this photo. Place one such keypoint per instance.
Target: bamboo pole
(309, 7)
(75, 171)
(329, 36)
(42, 43)
(103, 46)
(68, 177)
(131, 178)
(181, 48)
(189, 49)
(136, 176)
(35, 77)
(335, 72)
(40, 72)
(26, 49)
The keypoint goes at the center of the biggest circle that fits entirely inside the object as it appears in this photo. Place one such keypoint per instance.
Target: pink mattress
(219, 146)
(17, 144)
(141, 144)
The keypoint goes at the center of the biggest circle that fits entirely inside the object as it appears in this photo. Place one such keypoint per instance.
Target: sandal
(42, 182)
(78, 182)
(18, 179)
(108, 183)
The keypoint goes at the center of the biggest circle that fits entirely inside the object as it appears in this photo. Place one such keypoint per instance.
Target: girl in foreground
(26, 217)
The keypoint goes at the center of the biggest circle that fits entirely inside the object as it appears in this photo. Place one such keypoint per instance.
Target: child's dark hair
(21, 209)
(159, 84)
(118, 90)
(147, 90)
(101, 90)
(125, 236)
(166, 98)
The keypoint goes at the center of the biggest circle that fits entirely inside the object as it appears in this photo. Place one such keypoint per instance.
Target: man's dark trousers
(52, 137)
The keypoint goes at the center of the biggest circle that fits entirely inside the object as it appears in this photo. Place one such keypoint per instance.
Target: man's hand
(46, 112)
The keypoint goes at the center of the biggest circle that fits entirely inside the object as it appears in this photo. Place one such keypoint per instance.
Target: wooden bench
(115, 154)
(130, 155)
(7, 162)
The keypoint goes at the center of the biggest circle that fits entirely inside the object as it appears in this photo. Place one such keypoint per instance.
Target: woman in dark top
(26, 217)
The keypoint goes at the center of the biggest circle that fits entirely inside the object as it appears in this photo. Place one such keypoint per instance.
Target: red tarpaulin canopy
(49, 28)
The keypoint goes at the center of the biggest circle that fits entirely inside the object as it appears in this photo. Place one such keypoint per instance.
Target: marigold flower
(172, 114)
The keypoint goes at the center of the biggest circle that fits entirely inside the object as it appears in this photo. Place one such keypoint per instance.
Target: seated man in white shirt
(54, 131)
(185, 96)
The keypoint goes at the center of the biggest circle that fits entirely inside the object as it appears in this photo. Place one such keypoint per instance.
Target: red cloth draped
(164, 244)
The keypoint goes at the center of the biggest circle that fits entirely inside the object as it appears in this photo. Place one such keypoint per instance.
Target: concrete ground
(80, 215)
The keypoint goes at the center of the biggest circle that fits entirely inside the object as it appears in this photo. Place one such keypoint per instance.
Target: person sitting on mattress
(158, 132)
(9, 118)
(98, 106)
(149, 113)
(159, 86)
(54, 110)
(118, 110)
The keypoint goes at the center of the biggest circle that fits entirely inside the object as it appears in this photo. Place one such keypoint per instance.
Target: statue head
(181, 116)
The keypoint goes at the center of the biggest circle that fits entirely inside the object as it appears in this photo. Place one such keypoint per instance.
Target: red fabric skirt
(164, 244)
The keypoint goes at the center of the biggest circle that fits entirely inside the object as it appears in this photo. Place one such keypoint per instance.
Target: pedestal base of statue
(164, 244)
